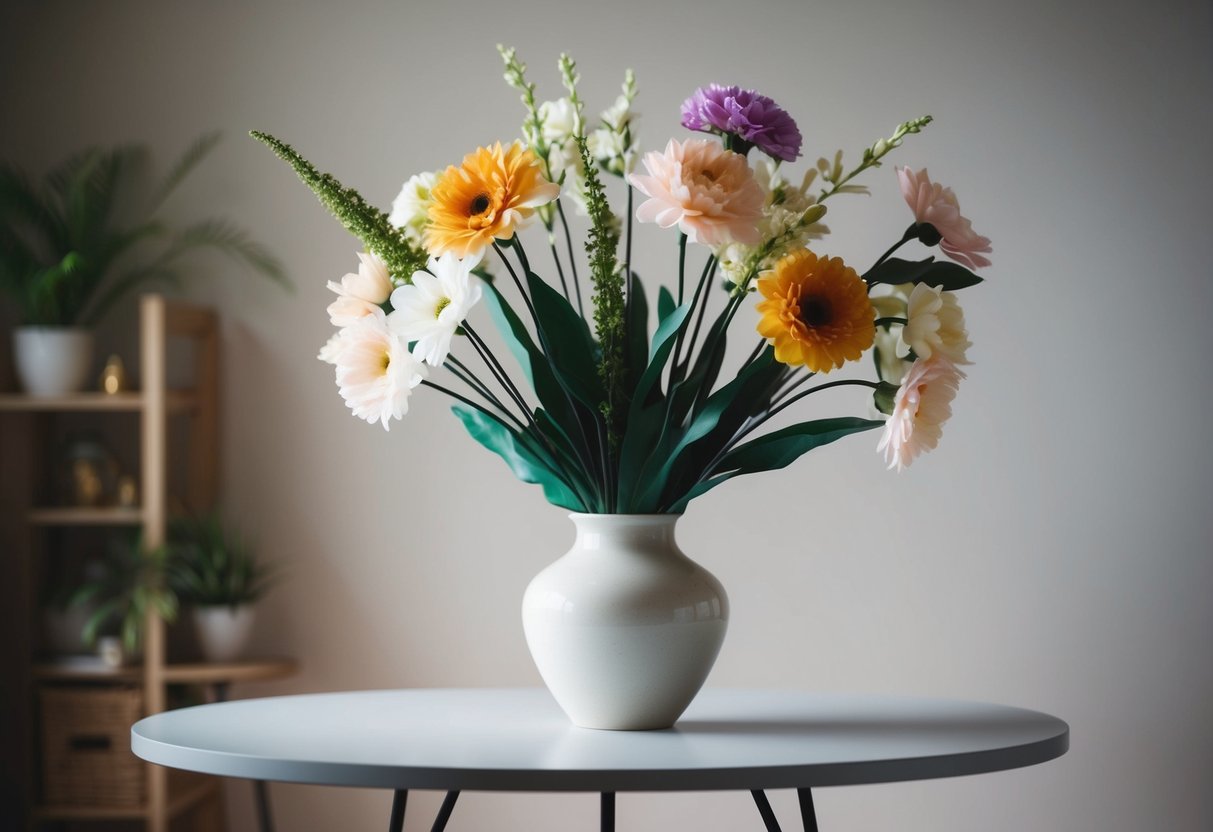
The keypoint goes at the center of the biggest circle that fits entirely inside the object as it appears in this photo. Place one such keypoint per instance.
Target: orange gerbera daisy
(487, 197)
(816, 312)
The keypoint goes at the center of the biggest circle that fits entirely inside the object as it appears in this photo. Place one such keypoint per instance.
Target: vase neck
(599, 532)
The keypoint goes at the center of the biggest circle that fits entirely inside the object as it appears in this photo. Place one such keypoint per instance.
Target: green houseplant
(81, 239)
(119, 590)
(221, 577)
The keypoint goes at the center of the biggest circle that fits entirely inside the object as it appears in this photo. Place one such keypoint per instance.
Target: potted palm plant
(220, 576)
(69, 251)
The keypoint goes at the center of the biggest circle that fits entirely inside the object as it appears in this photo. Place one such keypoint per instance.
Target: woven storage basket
(86, 746)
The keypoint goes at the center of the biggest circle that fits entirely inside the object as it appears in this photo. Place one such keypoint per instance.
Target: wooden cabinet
(175, 440)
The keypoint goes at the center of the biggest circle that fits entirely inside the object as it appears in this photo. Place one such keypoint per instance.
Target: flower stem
(462, 372)
(682, 263)
(765, 417)
(564, 284)
(568, 241)
(887, 322)
(705, 279)
(526, 299)
(911, 234)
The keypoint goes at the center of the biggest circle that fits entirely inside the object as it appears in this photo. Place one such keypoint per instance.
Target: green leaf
(665, 304)
(950, 276)
(777, 450)
(730, 404)
(508, 445)
(637, 348)
(646, 415)
(569, 344)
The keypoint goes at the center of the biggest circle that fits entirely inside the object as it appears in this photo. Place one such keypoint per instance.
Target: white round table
(519, 740)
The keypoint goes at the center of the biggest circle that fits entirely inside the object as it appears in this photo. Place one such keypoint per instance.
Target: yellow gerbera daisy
(487, 197)
(816, 312)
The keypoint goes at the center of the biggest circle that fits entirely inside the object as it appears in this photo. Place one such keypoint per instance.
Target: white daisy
(430, 309)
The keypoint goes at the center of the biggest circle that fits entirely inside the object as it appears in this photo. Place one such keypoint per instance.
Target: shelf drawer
(86, 749)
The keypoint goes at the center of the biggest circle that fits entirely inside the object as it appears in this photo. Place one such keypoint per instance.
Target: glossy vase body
(52, 360)
(624, 628)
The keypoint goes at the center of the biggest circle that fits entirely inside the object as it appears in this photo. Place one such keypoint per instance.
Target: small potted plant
(118, 591)
(67, 253)
(220, 576)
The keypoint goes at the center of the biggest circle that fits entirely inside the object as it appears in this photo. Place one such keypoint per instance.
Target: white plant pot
(223, 632)
(52, 360)
(624, 628)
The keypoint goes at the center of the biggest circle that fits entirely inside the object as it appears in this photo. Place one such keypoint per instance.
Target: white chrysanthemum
(431, 308)
(375, 372)
(411, 207)
(935, 324)
(922, 404)
(360, 294)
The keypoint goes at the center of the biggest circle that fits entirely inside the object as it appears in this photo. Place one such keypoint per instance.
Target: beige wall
(1054, 553)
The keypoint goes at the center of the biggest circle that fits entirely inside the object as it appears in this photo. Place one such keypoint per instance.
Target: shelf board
(185, 790)
(79, 516)
(186, 673)
(132, 402)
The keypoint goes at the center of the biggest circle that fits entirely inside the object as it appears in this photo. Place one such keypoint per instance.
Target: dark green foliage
(66, 252)
(210, 566)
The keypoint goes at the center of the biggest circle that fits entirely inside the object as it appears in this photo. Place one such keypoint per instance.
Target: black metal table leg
(808, 815)
(607, 816)
(399, 800)
(444, 813)
(764, 809)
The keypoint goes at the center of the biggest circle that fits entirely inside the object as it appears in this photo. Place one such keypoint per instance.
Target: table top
(519, 740)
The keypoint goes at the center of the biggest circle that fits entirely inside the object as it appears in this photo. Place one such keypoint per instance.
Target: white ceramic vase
(52, 360)
(624, 628)
(223, 631)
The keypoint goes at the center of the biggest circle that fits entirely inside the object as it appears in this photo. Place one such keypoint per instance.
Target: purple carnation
(753, 118)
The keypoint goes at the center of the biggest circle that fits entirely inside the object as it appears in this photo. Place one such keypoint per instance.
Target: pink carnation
(938, 205)
(707, 191)
(923, 403)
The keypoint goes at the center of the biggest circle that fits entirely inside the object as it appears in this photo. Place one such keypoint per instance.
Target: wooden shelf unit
(22, 522)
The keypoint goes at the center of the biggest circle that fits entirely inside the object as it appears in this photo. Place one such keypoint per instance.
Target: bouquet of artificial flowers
(617, 420)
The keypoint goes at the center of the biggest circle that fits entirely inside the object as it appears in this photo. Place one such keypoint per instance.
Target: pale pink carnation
(707, 191)
(375, 372)
(923, 403)
(938, 205)
(362, 293)
(935, 325)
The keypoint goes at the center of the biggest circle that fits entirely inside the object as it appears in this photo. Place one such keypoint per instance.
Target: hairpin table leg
(444, 813)
(400, 798)
(808, 815)
(608, 812)
(764, 809)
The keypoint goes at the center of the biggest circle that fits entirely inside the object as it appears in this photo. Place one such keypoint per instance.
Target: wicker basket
(86, 746)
